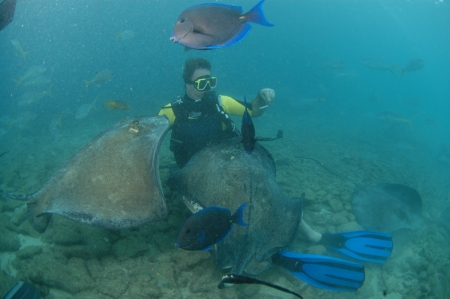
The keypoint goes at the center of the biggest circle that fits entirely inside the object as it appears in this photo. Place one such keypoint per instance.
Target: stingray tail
(35, 209)
(21, 197)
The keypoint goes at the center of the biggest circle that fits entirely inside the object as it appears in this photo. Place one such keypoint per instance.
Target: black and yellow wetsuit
(198, 123)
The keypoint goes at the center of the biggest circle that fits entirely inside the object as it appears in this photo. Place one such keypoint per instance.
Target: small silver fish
(99, 78)
(33, 96)
(414, 65)
(84, 110)
(379, 65)
(393, 118)
(17, 48)
(31, 74)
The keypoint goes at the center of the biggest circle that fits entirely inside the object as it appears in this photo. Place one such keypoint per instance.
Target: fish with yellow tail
(116, 105)
(392, 118)
(99, 78)
(17, 48)
(125, 34)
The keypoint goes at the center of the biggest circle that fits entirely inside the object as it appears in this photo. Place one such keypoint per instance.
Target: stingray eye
(182, 20)
(188, 231)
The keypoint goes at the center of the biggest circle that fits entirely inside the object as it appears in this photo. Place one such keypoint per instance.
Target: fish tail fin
(238, 216)
(256, 15)
(397, 70)
(86, 82)
(409, 122)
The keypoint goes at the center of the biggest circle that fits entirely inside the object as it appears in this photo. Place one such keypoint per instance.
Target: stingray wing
(112, 182)
(387, 207)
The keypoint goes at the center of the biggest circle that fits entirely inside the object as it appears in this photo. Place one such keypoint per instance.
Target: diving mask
(204, 83)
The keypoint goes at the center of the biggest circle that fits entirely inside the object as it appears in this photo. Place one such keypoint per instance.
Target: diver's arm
(168, 112)
(264, 98)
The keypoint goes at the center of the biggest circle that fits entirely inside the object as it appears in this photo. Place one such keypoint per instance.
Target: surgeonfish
(209, 26)
(208, 227)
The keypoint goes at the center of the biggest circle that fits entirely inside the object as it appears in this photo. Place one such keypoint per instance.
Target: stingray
(112, 182)
(226, 175)
(384, 207)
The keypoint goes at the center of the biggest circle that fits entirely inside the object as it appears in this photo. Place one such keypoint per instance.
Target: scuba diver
(200, 118)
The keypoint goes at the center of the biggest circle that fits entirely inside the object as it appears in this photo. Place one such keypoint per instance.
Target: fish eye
(188, 231)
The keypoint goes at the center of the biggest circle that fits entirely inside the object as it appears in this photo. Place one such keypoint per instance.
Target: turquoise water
(43, 124)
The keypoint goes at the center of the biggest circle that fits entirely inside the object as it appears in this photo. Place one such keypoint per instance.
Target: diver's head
(197, 77)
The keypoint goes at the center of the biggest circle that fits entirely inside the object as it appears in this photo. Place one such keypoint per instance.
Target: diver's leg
(311, 234)
(362, 245)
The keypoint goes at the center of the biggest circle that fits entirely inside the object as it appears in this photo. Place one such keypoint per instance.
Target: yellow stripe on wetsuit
(229, 105)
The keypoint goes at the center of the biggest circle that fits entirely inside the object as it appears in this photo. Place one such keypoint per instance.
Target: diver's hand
(264, 98)
(267, 95)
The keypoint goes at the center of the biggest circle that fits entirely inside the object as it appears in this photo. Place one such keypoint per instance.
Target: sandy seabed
(72, 260)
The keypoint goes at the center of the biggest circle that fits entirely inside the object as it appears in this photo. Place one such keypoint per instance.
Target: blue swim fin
(322, 271)
(362, 245)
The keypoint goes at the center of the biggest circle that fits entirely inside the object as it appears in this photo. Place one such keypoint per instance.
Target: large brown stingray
(225, 175)
(112, 182)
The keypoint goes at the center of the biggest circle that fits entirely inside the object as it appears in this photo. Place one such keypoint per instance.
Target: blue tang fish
(248, 130)
(209, 26)
(208, 227)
